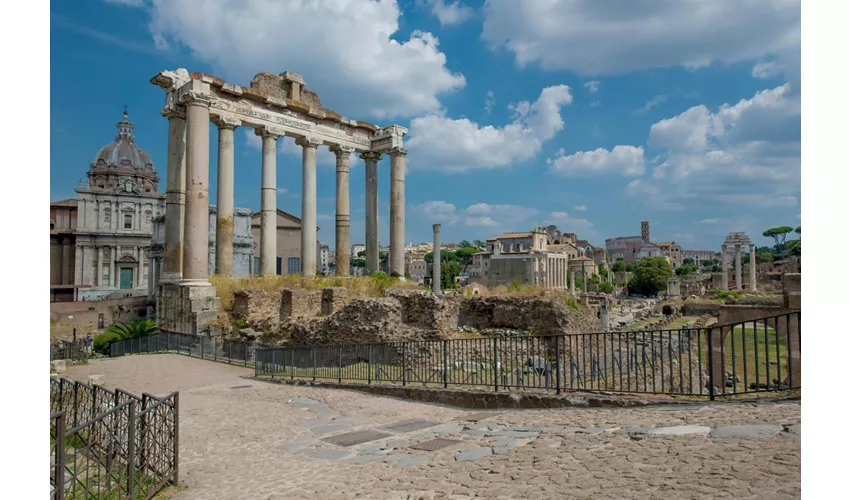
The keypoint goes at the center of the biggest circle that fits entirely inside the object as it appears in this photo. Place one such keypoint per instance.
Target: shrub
(101, 342)
(133, 329)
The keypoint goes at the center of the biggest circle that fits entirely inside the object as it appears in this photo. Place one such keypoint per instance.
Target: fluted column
(268, 204)
(196, 230)
(224, 198)
(398, 158)
(723, 269)
(753, 285)
(308, 205)
(738, 284)
(175, 196)
(343, 210)
(372, 249)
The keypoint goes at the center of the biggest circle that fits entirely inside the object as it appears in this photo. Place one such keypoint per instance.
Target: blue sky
(588, 115)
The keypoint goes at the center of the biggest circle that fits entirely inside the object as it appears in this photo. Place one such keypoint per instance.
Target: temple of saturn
(739, 240)
(274, 106)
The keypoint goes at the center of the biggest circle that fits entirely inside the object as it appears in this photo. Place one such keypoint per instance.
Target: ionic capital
(370, 155)
(272, 132)
(226, 122)
(308, 142)
(195, 98)
(398, 151)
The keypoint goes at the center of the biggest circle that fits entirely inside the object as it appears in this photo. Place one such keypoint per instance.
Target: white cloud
(580, 208)
(442, 143)
(450, 13)
(489, 102)
(592, 38)
(767, 70)
(567, 224)
(655, 101)
(742, 154)
(286, 145)
(625, 160)
(595, 104)
(343, 48)
(592, 86)
(504, 217)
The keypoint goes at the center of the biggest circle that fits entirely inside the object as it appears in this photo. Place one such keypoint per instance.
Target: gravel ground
(265, 441)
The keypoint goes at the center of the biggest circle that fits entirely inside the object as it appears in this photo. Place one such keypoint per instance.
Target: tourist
(88, 344)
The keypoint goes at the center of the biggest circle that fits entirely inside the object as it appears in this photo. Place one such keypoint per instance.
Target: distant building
(700, 256)
(288, 243)
(633, 248)
(324, 259)
(523, 257)
(356, 249)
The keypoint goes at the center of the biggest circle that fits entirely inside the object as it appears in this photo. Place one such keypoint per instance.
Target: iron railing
(111, 444)
(689, 361)
(229, 351)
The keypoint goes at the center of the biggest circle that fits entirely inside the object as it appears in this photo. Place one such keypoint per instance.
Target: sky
(590, 115)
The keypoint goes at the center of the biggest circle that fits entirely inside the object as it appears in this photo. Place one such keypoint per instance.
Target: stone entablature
(270, 104)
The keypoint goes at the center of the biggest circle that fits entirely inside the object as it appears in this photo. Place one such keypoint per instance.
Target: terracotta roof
(512, 235)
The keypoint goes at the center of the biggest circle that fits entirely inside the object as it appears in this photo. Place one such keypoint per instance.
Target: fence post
(131, 451)
(496, 363)
(245, 352)
(445, 364)
(176, 437)
(59, 460)
(292, 359)
(143, 431)
(711, 392)
(339, 374)
(369, 368)
(76, 403)
(558, 363)
(314, 364)
(404, 364)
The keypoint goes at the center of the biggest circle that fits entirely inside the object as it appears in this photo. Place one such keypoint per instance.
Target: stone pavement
(246, 439)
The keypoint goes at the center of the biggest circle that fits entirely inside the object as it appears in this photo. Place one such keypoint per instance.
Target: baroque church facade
(116, 208)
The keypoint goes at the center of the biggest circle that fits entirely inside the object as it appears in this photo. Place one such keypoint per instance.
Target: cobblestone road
(267, 441)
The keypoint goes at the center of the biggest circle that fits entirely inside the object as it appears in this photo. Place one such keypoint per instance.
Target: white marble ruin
(274, 106)
(739, 241)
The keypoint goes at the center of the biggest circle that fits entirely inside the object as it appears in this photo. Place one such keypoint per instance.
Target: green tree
(381, 255)
(619, 265)
(688, 261)
(464, 244)
(445, 256)
(763, 256)
(797, 230)
(605, 287)
(778, 234)
(464, 255)
(630, 267)
(686, 270)
(358, 263)
(448, 272)
(650, 276)
(479, 244)
(793, 247)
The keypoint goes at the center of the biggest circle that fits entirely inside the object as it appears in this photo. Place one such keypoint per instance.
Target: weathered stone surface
(258, 308)
(435, 444)
(58, 366)
(357, 437)
(795, 429)
(410, 425)
(425, 310)
(680, 430)
(473, 454)
(333, 299)
(298, 302)
(330, 454)
(745, 431)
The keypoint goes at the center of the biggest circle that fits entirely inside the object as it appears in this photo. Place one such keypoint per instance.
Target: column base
(186, 307)
(170, 278)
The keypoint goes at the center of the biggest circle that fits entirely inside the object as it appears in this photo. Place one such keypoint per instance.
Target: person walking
(88, 344)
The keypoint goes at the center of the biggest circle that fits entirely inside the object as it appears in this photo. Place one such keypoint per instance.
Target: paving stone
(509, 434)
(434, 444)
(795, 429)
(596, 430)
(745, 431)
(542, 428)
(411, 462)
(446, 429)
(395, 457)
(410, 425)
(362, 459)
(680, 430)
(293, 447)
(505, 443)
(330, 454)
(477, 417)
(356, 437)
(473, 454)
(328, 429)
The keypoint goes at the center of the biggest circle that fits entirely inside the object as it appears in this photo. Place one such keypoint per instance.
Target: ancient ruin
(739, 240)
(274, 106)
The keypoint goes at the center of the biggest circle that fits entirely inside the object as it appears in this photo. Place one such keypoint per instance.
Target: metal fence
(761, 355)
(111, 444)
(230, 351)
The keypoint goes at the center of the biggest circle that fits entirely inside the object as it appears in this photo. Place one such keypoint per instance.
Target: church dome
(123, 150)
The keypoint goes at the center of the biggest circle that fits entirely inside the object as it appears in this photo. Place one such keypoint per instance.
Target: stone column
(224, 198)
(196, 231)
(372, 249)
(343, 211)
(583, 277)
(753, 278)
(572, 282)
(268, 205)
(723, 269)
(308, 205)
(397, 167)
(175, 196)
(435, 285)
(738, 284)
(113, 279)
(65, 276)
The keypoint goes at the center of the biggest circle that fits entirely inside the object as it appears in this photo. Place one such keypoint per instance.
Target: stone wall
(333, 299)
(297, 302)
(541, 316)
(422, 309)
(257, 309)
(83, 313)
(691, 308)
